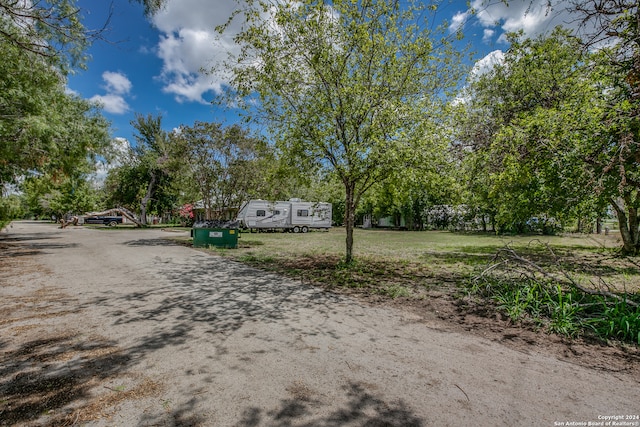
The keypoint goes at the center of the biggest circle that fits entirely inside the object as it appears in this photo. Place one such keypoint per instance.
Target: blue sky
(125, 73)
(153, 67)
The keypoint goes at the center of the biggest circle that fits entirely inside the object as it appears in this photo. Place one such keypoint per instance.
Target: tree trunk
(349, 216)
(628, 224)
(208, 214)
(147, 197)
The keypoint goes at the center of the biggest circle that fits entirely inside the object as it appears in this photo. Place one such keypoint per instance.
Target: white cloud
(487, 35)
(117, 85)
(112, 103)
(487, 63)
(190, 44)
(458, 21)
(98, 178)
(533, 17)
(121, 148)
(481, 67)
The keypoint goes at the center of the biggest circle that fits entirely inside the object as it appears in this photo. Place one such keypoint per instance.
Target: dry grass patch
(104, 406)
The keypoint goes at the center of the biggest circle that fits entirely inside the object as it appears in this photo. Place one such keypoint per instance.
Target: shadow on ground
(362, 409)
(217, 297)
(51, 378)
(43, 376)
(213, 293)
(151, 242)
(49, 374)
(30, 244)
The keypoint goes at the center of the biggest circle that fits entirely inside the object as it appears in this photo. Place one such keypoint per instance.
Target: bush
(11, 208)
(565, 311)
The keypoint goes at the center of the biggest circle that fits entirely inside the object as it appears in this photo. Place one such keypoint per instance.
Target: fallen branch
(73, 220)
(507, 255)
(122, 211)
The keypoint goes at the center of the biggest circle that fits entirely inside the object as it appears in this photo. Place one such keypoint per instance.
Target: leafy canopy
(226, 165)
(345, 84)
(527, 125)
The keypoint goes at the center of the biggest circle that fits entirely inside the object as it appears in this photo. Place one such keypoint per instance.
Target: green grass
(441, 251)
(408, 244)
(409, 265)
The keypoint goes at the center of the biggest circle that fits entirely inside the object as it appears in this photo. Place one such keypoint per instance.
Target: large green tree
(144, 182)
(46, 197)
(428, 180)
(42, 127)
(152, 160)
(45, 132)
(225, 164)
(612, 27)
(526, 132)
(128, 186)
(344, 84)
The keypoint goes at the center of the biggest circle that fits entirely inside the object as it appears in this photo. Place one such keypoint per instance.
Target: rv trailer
(293, 215)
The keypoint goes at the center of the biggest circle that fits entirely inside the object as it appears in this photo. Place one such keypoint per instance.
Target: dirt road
(124, 328)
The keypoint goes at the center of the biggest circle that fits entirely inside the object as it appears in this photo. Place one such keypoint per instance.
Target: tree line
(367, 105)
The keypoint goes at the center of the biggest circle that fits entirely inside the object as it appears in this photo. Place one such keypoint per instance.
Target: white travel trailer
(294, 215)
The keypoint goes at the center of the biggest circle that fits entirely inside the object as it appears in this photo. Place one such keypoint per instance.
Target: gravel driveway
(125, 328)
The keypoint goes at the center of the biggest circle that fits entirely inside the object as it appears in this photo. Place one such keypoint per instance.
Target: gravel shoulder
(125, 328)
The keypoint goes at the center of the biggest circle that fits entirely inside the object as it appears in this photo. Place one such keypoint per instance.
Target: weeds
(564, 313)
(526, 292)
(395, 291)
(617, 320)
(514, 304)
(250, 258)
(567, 312)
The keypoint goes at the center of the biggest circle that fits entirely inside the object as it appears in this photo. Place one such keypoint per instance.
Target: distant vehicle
(111, 221)
(293, 215)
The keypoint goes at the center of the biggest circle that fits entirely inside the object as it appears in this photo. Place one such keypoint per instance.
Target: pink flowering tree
(186, 214)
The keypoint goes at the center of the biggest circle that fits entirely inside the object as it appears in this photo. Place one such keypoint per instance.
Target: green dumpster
(218, 237)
